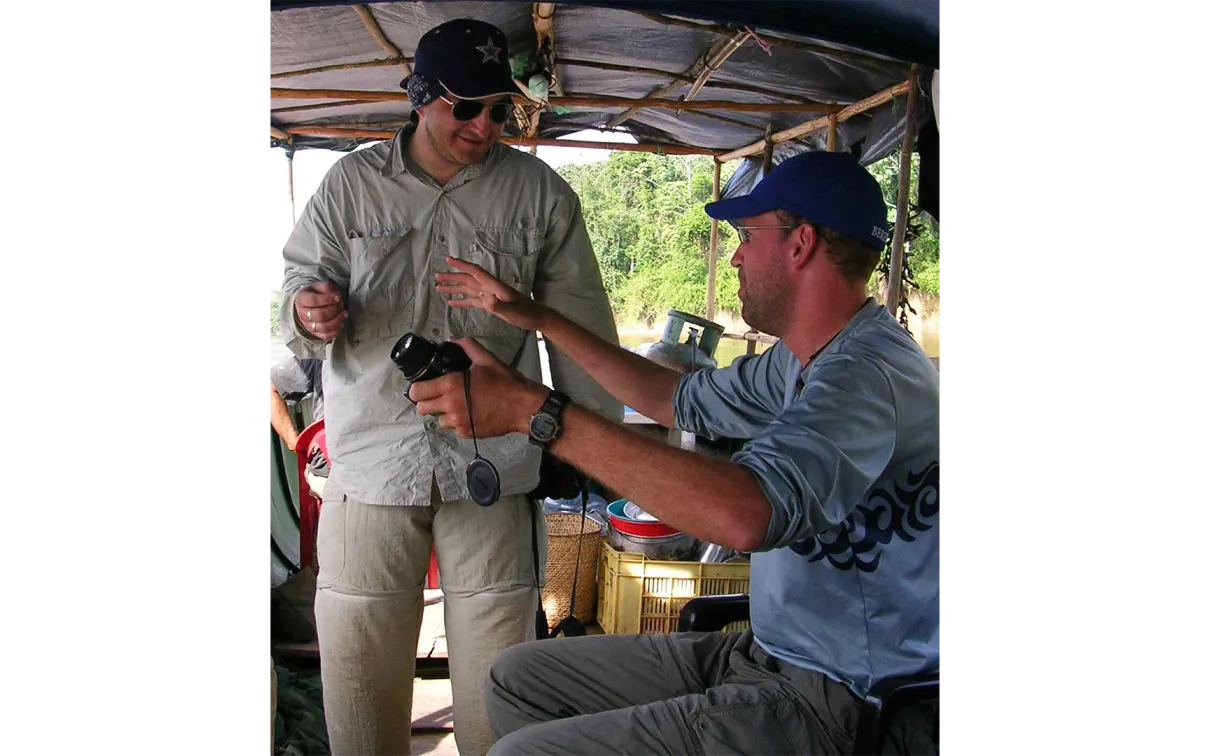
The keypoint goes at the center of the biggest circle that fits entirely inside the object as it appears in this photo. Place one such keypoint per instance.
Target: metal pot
(677, 547)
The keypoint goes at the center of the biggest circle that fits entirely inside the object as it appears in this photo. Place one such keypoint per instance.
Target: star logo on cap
(490, 51)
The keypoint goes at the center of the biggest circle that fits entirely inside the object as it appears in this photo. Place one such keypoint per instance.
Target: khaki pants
(681, 693)
(369, 603)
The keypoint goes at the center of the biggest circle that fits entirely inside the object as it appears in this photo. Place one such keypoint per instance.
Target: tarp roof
(825, 51)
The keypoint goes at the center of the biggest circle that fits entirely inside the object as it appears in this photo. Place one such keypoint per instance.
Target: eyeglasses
(745, 237)
(466, 110)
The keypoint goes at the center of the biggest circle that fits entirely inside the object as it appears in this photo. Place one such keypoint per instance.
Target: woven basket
(563, 534)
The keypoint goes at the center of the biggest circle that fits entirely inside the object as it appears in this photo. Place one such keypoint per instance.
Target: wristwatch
(547, 424)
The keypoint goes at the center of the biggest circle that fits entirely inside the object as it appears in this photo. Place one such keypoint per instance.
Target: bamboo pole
(752, 336)
(714, 64)
(367, 18)
(780, 41)
(712, 256)
(832, 124)
(402, 59)
(290, 178)
(686, 78)
(803, 129)
(661, 149)
(317, 106)
(569, 101)
(603, 101)
(766, 163)
(544, 29)
(725, 119)
(359, 95)
(895, 271)
(703, 63)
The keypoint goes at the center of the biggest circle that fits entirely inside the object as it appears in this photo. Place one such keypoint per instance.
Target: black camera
(422, 360)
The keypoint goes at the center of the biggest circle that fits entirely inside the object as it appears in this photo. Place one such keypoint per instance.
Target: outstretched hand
(481, 290)
(503, 398)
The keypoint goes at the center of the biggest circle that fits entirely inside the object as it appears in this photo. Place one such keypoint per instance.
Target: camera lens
(413, 354)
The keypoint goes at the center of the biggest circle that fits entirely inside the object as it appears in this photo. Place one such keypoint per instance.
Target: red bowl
(639, 528)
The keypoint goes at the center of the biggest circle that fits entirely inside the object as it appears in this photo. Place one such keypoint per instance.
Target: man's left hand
(503, 398)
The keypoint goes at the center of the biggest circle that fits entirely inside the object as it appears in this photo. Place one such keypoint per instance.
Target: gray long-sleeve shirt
(379, 228)
(847, 579)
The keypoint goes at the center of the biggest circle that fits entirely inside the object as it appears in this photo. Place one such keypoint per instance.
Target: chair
(308, 502)
(886, 698)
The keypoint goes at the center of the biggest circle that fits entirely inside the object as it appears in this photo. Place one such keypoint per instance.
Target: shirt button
(441, 237)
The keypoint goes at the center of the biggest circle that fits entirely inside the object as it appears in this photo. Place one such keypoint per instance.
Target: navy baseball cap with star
(828, 188)
(468, 58)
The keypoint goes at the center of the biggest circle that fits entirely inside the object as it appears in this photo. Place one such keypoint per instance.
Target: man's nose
(481, 125)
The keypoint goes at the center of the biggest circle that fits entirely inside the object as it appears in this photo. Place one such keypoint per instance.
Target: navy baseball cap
(828, 188)
(468, 58)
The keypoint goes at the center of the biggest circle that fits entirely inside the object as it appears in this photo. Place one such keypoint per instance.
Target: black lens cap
(483, 482)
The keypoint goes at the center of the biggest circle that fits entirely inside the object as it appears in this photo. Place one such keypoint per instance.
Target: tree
(651, 235)
(922, 244)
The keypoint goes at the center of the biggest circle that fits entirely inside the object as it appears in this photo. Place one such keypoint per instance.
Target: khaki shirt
(379, 228)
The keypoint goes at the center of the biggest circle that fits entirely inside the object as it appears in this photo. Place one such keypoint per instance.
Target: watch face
(543, 426)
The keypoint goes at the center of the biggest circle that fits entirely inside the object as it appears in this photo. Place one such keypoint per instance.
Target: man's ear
(805, 241)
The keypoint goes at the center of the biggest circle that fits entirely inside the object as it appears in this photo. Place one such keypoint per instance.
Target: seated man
(294, 379)
(835, 495)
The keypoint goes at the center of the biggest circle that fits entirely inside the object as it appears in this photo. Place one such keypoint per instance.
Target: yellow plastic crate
(640, 595)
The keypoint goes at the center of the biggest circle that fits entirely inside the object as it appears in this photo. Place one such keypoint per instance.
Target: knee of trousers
(516, 743)
(511, 667)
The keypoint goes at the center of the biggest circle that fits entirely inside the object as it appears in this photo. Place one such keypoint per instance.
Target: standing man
(360, 267)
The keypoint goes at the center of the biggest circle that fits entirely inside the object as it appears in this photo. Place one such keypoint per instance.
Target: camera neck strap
(482, 479)
(466, 385)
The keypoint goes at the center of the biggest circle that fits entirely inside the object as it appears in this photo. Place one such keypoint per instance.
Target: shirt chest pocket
(381, 287)
(510, 253)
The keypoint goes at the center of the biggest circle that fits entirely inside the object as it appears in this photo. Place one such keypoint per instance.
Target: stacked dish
(633, 530)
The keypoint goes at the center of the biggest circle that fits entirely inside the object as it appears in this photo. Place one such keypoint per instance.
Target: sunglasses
(745, 236)
(466, 110)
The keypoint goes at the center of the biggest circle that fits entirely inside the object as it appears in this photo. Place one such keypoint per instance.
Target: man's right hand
(481, 290)
(318, 309)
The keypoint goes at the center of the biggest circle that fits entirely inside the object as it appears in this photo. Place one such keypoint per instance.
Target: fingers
(320, 310)
(469, 268)
(317, 314)
(328, 329)
(478, 355)
(456, 289)
(322, 294)
(323, 322)
(456, 279)
(449, 407)
(422, 391)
